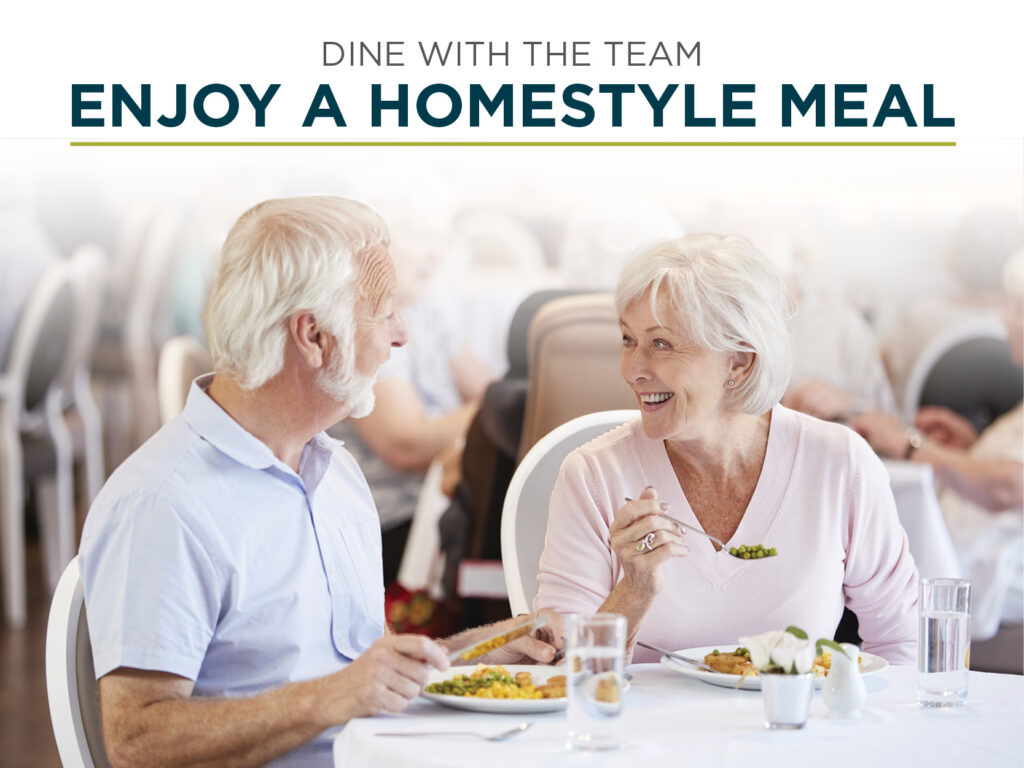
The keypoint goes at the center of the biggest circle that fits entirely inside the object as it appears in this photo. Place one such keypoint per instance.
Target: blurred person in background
(599, 239)
(232, 565)
(982, 480)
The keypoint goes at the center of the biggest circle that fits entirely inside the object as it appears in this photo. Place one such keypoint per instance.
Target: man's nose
(399, 333)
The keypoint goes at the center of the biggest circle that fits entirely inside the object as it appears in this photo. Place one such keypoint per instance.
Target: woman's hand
(945, 427)
(642, 540)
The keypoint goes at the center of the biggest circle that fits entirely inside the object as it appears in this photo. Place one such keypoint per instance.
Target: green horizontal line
(513, 143)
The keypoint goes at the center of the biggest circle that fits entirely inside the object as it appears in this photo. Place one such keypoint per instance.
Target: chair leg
(12, 526)
(64, 509)
(92, 426)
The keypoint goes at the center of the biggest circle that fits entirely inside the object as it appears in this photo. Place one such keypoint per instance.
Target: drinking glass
(595, 654)
(943, 642)
(787, 699)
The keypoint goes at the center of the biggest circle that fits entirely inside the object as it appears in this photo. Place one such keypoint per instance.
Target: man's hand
(390, 674)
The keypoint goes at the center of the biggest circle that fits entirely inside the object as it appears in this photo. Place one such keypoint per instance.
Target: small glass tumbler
(787, 699)
(595, 655)
(943, 642)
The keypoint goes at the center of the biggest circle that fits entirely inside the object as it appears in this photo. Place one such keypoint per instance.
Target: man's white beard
(354, 391)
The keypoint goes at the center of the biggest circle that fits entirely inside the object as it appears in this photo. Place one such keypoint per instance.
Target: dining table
(669, 719)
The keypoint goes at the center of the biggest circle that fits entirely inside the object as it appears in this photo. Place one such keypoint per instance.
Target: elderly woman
(705, 349)
(982, 479)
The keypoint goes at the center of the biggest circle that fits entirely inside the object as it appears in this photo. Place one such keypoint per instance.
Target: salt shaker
(843, 691)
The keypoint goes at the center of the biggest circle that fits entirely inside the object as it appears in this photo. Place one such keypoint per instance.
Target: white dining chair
(525, 513)
(71, 679)
(142, 330)
(982, 328)
(89, 269)
(31, 408)
(182, 359)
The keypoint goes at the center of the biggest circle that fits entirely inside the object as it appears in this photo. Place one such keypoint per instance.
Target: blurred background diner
(507, 261)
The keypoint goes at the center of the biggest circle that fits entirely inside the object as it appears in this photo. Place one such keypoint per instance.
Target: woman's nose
(634, 366)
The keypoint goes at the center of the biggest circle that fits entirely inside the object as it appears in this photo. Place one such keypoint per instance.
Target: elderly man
(232, 565)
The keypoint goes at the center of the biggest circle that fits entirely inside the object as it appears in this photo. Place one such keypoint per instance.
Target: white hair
(280, 257)
(727, 297)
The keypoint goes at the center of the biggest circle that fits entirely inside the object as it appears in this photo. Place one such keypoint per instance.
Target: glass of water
(595, 654)
(943, 642)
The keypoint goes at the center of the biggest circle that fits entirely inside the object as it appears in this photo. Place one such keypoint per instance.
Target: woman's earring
(732, 383)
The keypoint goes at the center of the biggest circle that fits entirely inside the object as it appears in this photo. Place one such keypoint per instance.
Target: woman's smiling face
(680, 386)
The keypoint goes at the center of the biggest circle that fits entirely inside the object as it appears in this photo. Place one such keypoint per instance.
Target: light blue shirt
(207, 557)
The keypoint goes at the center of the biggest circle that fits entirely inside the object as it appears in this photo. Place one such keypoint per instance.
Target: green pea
(714, 652)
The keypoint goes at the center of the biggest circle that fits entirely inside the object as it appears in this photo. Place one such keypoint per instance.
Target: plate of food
(736, 671)
(511, 689)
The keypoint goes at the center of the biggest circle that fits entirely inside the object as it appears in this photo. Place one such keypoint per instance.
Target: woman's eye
(661, 344)
(626, 341)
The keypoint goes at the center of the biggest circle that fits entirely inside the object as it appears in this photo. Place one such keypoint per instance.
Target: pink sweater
(823, 500)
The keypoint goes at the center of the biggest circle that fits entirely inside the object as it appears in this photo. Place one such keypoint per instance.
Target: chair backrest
(70, 678)
(182, 358)
(968, 368)
(41, 339)
(572, 339)
(525, 514)
(144, 327)
(519, 328)
(89, 268)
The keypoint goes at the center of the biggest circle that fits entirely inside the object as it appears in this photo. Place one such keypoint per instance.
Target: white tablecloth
(913, 486)
(669, 720)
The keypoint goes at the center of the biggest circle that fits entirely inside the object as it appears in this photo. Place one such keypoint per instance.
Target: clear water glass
(595, 655)
(943, 642)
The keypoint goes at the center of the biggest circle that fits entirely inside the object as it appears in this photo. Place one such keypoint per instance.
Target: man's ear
(740, 364)
(309, 339)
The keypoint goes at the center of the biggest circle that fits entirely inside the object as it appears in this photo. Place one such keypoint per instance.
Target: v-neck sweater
(822, 500)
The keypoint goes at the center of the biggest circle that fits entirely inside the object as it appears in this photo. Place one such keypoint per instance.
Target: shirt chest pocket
(355, 575)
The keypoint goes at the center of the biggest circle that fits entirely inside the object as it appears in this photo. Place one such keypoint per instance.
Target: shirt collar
(214, 425)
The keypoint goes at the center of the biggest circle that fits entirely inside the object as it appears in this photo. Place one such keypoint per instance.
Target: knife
(468, 653)
(675, 655)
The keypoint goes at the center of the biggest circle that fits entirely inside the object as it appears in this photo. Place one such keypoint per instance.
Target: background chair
(33, 435)
(524, 518)
(71, 679)
(182, 359)
(969, 369)
(88, 265)
(574, 351)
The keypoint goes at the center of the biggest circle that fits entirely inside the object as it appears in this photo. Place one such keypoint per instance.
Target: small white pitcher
(843, 690)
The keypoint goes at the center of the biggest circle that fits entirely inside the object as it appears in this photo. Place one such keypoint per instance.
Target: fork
(689, 527)
(495, 737)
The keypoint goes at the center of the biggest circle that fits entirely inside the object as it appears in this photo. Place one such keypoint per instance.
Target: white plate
(870, 664)
(540, 675)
